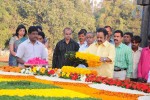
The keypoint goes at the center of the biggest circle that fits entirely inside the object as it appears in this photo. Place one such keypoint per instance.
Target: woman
(41, 37)
(18, 38)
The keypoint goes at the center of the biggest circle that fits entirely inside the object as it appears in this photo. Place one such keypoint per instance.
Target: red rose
(51, 72)
(74, 77)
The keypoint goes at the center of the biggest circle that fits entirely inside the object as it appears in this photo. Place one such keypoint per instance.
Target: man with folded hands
(124, 60)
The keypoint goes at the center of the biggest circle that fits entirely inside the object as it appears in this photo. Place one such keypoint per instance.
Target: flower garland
(87, 59)
(10, 69)
(105, 95)
(121, 83)
(43, 92)
(92, 60)
(75, 73)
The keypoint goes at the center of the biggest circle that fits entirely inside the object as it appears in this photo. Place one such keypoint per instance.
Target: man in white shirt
(82, 39)
(30, 48)
(136, 52)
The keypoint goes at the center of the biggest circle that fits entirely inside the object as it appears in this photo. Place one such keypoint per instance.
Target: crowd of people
(120, 53)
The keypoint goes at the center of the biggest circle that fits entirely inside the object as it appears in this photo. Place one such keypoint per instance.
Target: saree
(13, 59)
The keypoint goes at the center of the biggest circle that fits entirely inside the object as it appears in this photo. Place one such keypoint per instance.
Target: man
(63, 46)
(30, 48)
(89, 38)
(127, 38)
(105, 51)
(110, 35)
(123, 60)
(82, 39)
(144, 63)
(136, 52)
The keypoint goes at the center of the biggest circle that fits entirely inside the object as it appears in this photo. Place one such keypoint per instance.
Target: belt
(119, 69)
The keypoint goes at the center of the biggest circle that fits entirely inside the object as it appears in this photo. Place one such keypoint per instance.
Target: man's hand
(19, 60)
(105, 59)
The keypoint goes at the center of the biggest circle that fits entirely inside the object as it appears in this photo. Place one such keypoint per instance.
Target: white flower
(38, 68)
(23, 71)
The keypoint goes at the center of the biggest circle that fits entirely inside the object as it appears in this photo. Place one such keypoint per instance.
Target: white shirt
(136, 58)
(83, 46)
(129, 45)
(27, 50)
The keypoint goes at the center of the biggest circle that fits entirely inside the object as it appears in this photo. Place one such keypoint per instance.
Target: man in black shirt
(63, 46)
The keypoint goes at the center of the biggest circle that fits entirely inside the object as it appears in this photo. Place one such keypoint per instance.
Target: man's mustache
(99, 41)
(115, 40)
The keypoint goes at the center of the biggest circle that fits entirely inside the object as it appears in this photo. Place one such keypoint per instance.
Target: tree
(52, 15)
(118, 14)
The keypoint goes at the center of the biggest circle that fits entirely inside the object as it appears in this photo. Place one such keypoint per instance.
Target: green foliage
(42, 98)
(52, 15)
(25, 85)
(71, 56)
(118, 14)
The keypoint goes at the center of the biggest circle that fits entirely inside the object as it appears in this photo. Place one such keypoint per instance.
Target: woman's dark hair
(103, 30)
(41, 34)
(20, 27)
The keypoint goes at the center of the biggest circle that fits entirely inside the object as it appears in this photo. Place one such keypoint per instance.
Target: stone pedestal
(145, 28)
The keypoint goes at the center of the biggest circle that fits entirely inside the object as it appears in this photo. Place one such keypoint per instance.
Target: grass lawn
(41, 98)
(24, 85)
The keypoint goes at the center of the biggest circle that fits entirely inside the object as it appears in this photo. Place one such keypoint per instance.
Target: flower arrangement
(36, 70)
(87, 59)
(75, 73)
(10, 69)
(36, 61)
(26, 71)
(121, 83)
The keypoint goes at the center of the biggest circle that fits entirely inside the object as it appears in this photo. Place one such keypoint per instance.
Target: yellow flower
(42, 70)
(34, 70)
(68, 74)
(92, 60)
(43, 92)
(63, 74)
(66, 70)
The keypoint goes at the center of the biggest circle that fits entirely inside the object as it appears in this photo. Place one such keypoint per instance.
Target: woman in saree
(15, 41)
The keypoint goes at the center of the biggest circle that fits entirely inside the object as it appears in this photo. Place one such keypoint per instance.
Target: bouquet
(36, 61)
(87, 59)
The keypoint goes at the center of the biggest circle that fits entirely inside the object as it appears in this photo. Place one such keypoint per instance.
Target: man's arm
(111, 56)
(19, 60)
(20, 53)
(55, 56)
(140, 65)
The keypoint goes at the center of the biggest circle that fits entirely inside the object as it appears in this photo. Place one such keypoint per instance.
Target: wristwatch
(104, 59)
